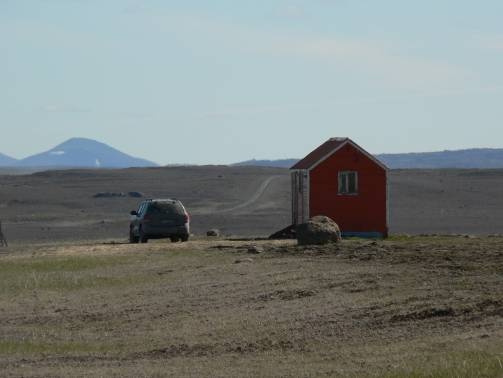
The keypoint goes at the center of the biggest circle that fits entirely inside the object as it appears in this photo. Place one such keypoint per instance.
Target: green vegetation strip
(58, 264)
(474, 364)
(64, 273)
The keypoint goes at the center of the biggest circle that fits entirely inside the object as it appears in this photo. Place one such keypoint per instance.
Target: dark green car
(157, 219)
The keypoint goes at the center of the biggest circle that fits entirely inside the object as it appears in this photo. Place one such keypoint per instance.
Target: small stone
(136, 194)
(213, 232)
(239, 261)
(109, 194)
(254, 249)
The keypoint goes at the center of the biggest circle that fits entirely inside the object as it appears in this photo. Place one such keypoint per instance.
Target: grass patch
(71, 273)
(473, 364)
(64, 273)
(64, 282)
(60, 264)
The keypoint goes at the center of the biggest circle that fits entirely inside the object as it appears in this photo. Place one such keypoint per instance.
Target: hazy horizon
(194, 83)
(245, 160)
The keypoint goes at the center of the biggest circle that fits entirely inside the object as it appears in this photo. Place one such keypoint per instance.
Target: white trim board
(371, 157)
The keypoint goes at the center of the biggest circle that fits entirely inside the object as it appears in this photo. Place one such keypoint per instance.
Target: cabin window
(348, 182)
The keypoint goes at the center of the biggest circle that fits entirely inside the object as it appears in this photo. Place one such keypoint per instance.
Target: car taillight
(187, 218)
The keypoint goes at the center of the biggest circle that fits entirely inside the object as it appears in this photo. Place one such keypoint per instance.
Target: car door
(137, 218)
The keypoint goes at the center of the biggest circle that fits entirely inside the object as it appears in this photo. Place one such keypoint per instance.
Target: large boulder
(318, 230)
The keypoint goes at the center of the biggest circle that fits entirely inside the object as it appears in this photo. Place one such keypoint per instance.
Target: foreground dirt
(430, 306)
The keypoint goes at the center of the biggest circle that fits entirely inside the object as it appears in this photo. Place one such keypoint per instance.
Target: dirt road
(252, 200)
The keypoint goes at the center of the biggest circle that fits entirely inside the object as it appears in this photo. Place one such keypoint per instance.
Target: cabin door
(300, 197)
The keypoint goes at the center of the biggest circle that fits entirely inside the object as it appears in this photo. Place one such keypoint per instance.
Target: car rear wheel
(184, 238)
(133, 238)
(143, 237)
(174, 239)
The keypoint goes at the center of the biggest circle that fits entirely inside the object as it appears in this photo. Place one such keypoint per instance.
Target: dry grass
(419, 307)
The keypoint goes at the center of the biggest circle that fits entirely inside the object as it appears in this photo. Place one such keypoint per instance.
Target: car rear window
(165, 208)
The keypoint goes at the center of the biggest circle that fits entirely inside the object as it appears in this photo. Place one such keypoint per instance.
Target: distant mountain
(81, 152)
(7, 161)
(471, 158)
(281, 163)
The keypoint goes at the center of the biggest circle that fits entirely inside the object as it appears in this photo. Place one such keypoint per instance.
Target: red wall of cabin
(365, 212)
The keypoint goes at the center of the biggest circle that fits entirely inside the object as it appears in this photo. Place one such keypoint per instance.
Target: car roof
(172, 200)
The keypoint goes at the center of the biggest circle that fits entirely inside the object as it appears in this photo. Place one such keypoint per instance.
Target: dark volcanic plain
(60, 205)
(240, 201)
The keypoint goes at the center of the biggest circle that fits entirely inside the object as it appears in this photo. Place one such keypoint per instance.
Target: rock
(318, 230)
(254, 249)
(285, 233)
(239, 261)
(136, 194)
(213, 232)
(109, 194)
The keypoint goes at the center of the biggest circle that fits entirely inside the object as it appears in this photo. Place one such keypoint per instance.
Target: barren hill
(475, 158)
(6, 161)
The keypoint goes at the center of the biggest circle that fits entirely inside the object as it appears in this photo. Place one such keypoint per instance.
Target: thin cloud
(293, 11)
(249, 110)
(386, 61)
(382, 61)
(135, 7)
(68, 109)
(244, 111)
(64, 109)
(492, 42)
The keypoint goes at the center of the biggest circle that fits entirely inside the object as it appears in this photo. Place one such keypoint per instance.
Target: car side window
(144, 209)
(140, 209)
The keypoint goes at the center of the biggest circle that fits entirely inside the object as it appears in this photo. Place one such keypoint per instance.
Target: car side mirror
(133, 212)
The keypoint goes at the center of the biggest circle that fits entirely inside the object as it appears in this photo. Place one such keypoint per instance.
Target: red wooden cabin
(341, 180)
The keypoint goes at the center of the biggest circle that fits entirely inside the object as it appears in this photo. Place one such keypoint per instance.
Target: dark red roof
(326, 149)
(319, 153)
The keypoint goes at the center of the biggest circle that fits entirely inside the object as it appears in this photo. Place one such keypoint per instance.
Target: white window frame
(345, 191)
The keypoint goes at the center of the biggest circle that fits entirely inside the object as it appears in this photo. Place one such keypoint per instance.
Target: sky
(221, 81)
